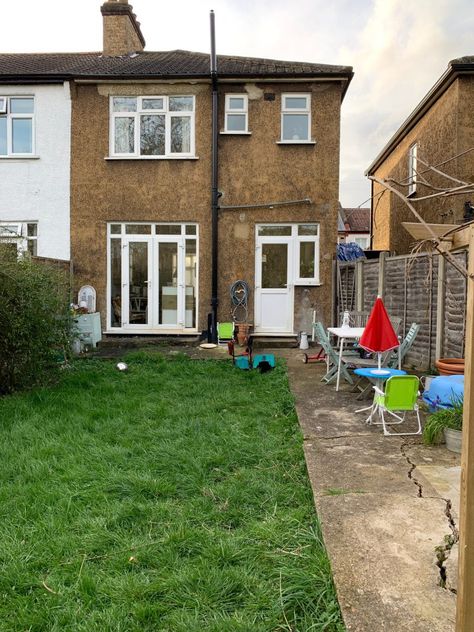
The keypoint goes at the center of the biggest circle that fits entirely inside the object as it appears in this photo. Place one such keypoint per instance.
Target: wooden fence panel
(411, 294)
(455, 309)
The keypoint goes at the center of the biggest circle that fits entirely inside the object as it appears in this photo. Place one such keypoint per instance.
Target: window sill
(29, 157)
(151, 158)
(296, 142)
(307, 283)
(225, 133)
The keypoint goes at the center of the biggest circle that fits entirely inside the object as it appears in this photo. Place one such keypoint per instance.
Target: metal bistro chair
(332, 356)
(400, 396)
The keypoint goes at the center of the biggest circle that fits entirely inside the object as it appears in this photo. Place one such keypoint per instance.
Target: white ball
(121, 366)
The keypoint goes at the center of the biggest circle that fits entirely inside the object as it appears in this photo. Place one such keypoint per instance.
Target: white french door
(274, 289)
(153, 282)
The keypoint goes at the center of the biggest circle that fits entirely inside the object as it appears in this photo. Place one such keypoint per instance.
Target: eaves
(345, 78)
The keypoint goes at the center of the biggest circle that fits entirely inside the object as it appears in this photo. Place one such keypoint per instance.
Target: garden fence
(422, 288)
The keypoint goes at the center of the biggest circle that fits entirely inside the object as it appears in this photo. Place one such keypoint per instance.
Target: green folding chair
(399, 398)
(225, 332)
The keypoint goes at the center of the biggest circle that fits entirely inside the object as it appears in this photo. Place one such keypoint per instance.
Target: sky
(398, 49)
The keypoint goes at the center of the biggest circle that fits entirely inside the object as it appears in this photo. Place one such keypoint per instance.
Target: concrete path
(388, 507)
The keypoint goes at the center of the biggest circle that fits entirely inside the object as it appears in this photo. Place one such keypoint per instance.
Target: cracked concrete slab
(383, 511)
(335, 464)
(382, 551)
(447, 483)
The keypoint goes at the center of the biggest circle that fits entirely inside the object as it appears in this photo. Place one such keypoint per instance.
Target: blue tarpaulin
(349, 252)
(444, 391)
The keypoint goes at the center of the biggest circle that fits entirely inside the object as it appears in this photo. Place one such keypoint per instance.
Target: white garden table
(344, 333)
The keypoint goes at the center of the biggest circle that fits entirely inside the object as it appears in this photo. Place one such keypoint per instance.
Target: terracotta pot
(243, 332)
(450, 366)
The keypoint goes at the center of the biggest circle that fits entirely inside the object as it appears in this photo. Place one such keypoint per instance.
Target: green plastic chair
(400, 396)
(225, 332)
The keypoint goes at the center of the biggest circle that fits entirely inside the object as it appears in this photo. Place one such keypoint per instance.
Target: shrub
(35, 324)
(441, 419)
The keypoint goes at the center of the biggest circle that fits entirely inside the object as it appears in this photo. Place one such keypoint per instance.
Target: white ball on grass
(121, 366)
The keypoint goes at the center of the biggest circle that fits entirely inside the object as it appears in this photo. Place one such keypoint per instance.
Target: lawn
(171, 497)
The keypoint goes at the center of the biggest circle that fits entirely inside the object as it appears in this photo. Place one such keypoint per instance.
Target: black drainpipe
(214, 185)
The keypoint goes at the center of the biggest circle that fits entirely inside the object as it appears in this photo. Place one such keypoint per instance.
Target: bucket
(453, 440)
(304, 341)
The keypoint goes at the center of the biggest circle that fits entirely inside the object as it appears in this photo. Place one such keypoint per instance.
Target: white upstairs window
(236, 114)
(17, 126)
(152, 127)
(296, 118)
(412, 168)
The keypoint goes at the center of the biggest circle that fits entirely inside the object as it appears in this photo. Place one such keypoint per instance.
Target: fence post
(380, 290)
(465, 602)
(359, 284)
(440, 307)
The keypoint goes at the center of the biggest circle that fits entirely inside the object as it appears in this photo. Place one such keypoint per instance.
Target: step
(275, 342)
(138, 342)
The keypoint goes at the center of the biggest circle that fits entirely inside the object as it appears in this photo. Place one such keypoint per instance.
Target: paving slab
(382, 551)
(382, 503)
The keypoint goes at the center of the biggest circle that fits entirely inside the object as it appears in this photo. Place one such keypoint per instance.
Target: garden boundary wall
(422, 288)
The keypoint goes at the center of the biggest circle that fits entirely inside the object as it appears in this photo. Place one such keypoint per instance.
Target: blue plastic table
(377, 376)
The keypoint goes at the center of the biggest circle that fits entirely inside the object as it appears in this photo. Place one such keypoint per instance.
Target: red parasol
(379, 335)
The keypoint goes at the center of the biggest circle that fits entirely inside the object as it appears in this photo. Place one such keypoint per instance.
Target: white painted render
(38, 188)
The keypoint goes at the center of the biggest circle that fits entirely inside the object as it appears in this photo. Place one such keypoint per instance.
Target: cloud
(399, 54)
(398, 49)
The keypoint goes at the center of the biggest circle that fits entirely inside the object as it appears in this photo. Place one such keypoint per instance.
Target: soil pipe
(214, 183)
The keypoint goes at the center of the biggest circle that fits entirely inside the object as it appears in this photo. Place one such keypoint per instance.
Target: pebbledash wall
(254, 169)
(444, 136)
(37, 188)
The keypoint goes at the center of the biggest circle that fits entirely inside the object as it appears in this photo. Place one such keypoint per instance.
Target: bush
(35, 323)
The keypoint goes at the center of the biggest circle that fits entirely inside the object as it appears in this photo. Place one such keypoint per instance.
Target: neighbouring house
(440, 132)
(141, 178)
(35, 134)
(354, 226)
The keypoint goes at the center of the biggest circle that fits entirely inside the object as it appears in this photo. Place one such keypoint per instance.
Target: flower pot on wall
(453, 439)
(450, 366)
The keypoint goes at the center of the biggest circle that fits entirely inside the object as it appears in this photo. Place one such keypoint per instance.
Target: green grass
(171, 497)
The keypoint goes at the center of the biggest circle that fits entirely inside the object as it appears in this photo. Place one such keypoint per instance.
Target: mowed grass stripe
(170, 497)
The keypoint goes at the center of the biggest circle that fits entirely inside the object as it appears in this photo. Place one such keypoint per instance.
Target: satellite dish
(87, 296)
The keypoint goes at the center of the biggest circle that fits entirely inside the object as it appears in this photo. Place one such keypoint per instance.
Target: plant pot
(453, 439)
(450, 366)
(243, 332)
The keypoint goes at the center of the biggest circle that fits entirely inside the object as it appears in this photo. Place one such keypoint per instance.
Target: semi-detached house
(141, 185)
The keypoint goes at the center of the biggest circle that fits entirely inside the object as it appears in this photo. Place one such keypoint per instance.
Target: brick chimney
(122, 34)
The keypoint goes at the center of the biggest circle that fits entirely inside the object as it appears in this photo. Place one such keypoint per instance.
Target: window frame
(12, 116)
(288, 111)
(229, 111)
(21, 238)
(412, 166)
(154, 234)
(139, 112)
(314, 239)
(296, 240)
